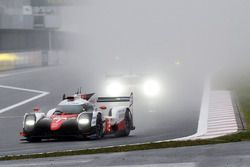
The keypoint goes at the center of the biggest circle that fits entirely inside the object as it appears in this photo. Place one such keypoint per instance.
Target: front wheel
(99, 127)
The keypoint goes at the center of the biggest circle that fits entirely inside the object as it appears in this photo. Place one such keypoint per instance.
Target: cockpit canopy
(74, 109)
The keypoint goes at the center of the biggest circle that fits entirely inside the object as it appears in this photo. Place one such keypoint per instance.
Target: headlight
(29, 123)
(151, 88)
(83, 121)
(30, 120)
(115, 89)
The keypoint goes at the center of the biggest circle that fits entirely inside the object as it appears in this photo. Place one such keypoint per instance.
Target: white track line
(222, 115)
(22, 89)
(221, 121)
(41, 94)
(219, 127)
(202, 124)
(213, 119)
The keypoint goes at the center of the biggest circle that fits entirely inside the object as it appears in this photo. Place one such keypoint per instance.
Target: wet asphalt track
(158, 119)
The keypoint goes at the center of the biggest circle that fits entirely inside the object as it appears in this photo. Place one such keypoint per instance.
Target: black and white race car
(81, 115)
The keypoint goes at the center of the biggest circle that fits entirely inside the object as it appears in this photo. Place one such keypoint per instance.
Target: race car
(146, 84)
(81, 115)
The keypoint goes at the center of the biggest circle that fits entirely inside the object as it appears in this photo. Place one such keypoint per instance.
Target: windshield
(69, 109)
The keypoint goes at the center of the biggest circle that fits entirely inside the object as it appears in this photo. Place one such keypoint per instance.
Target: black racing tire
(128, 124)
(99, 127)
(85, 137)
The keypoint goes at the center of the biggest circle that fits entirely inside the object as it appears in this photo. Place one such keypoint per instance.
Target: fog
(182, 42)
(197, 34)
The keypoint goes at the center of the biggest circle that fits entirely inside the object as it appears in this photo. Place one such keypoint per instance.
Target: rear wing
(116, 99)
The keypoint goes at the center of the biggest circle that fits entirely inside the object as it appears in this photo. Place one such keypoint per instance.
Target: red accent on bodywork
(108, 125)
(121, 125)
(23, 134)
(57, 120)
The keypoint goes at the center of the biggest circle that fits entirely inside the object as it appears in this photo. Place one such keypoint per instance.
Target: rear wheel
(127, 124)
(99, 127)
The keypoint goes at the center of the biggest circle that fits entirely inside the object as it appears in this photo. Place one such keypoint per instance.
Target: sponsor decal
(58, 120)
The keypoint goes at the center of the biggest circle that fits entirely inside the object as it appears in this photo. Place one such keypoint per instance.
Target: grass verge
(243, 136)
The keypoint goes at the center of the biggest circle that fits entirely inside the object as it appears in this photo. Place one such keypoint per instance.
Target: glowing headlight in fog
(151, 88)
(115, 89)
(30, 122)
(83, 121)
